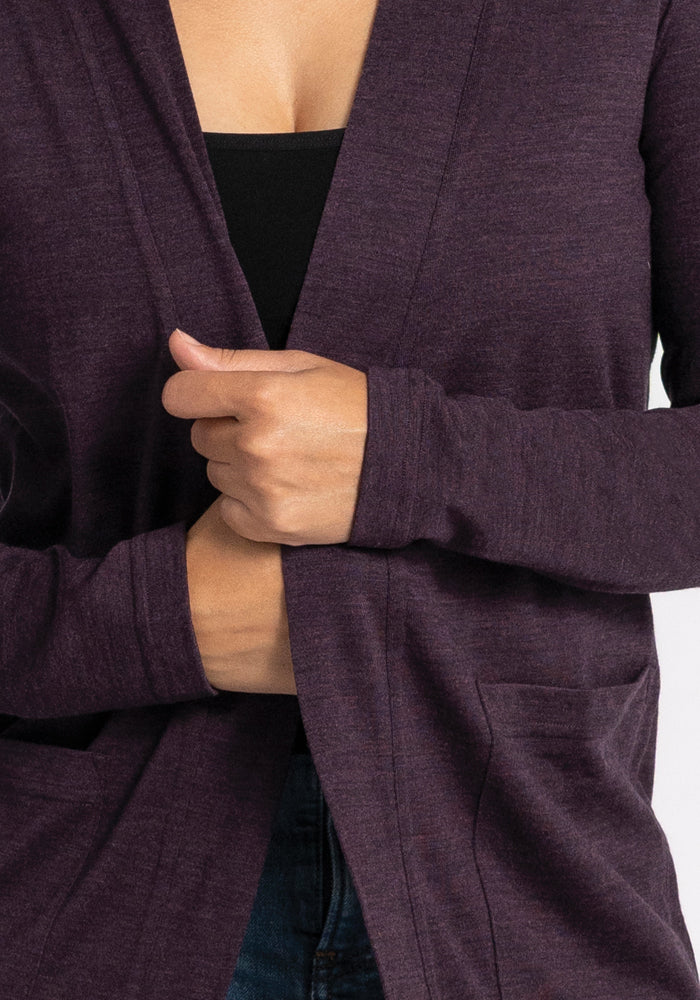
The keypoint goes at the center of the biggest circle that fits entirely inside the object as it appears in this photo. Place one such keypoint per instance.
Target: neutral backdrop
(677, 786)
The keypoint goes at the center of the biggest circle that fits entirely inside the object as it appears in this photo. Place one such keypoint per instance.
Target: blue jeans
(306, 939)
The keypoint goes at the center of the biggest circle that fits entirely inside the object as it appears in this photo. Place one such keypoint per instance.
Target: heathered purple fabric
(476, 667)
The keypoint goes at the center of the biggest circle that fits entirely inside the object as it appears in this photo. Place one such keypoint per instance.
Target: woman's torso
(271, 66)
(488, 227)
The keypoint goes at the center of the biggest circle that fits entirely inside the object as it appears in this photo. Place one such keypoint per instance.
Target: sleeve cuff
(396, 400)
(162, 611)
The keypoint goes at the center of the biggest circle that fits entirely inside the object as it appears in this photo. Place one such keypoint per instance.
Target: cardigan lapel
(376, 217)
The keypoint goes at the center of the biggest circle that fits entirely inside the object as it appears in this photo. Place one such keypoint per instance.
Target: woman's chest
(273, 65)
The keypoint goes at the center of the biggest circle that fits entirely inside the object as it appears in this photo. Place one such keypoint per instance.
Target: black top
(272, 187)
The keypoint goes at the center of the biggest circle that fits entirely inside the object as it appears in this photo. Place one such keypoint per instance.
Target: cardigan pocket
(573, 863)
(50, 806)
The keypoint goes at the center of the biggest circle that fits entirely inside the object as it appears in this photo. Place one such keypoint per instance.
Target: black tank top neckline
(314, 139)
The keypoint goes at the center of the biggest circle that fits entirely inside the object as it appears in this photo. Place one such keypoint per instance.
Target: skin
(238, 608)
(284, 433)
(273, 65)
(284, 430)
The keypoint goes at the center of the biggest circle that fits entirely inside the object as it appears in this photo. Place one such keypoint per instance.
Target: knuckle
(229, 518)
(197, 437)
(281, 518)
(213, 475)
(264, 393)
(230, 513)
(207, 434)
(257, 445)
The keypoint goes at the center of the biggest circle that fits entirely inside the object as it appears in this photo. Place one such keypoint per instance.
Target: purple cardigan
(514, 215)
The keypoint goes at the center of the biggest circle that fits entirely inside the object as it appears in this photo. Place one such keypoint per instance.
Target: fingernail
(186, 336)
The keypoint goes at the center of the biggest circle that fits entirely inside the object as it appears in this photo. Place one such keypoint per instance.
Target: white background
(677, 785)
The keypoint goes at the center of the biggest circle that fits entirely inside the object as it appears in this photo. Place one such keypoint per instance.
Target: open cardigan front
(514, 216)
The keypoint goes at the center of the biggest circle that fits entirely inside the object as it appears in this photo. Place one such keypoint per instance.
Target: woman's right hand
(238, 608)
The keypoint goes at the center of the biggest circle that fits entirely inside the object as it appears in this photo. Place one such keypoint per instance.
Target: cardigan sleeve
(82, 635)
(606, 500)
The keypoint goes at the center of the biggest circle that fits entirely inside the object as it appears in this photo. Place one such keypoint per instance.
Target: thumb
(191, 355)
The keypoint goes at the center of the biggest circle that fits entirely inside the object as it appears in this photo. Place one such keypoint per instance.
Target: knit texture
(513, 218)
